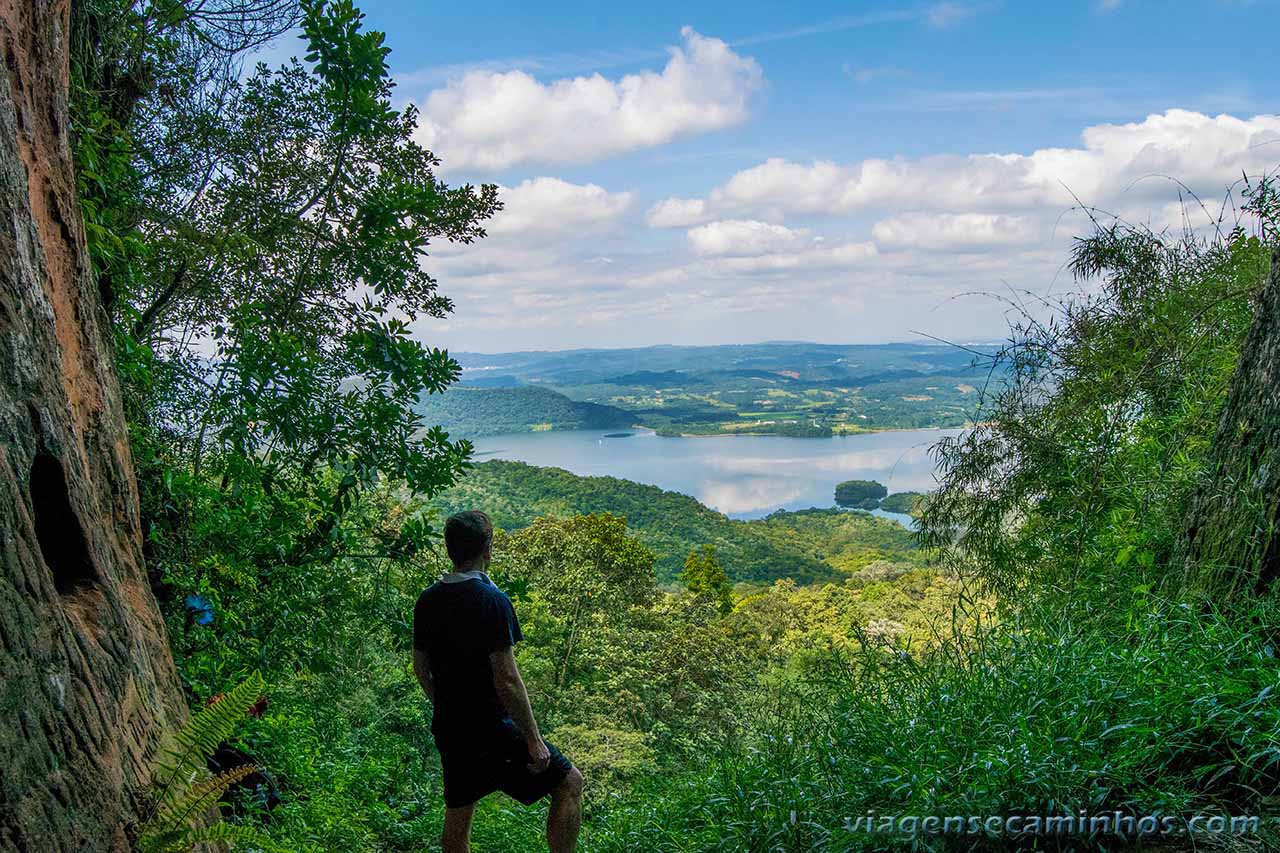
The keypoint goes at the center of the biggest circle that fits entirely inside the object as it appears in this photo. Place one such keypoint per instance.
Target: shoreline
(640, 428)
(805, 437)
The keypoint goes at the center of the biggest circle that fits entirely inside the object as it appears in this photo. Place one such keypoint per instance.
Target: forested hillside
(1086, 624)
(474, 412)
(818, 545)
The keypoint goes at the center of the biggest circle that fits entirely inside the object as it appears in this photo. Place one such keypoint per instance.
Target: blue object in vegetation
(201, 609)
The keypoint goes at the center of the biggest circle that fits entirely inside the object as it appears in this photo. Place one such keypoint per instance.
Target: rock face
(1233, 527)
(87, 684)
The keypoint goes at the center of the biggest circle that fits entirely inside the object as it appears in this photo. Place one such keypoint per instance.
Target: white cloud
(952, 232)
(745, 237)
(812, 257)
(1207, 153)
(909, 242)
(494, 120)
(551, 205)
(677, 213)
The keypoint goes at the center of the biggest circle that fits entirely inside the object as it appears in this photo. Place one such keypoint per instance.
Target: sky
(733, 172)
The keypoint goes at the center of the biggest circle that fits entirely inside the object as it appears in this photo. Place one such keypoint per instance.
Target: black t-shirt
(457, 625)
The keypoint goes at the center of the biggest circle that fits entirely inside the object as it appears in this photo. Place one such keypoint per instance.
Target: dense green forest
(1051, 643)
(474, 412)
(863, 494)
(671, 524)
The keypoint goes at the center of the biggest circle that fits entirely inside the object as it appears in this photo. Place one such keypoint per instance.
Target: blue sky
(842, 172)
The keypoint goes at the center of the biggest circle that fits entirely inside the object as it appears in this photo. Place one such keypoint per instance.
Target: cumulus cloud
(551, 205)
(748, 246)
(1205, 152)
(490, 120)
(816, 256)
(885, 246)
(745, 237)
(677, 213)
(952, 232)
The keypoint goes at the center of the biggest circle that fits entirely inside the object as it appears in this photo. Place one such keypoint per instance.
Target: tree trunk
(87, 683)
(1232, 535)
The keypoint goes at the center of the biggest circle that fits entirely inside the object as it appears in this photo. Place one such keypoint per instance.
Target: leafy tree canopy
(863, 494)
(704, 576)
(907, 503)
(262, 239)
(1078, 477)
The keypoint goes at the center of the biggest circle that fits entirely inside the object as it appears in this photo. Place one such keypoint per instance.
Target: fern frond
(226, 833)
(163, 841)
(185, 839)
(198, 800)
(200, 737)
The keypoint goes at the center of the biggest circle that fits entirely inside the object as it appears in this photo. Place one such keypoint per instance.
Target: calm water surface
(742, 476)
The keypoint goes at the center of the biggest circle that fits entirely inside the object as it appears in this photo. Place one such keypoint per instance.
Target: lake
(743, 476)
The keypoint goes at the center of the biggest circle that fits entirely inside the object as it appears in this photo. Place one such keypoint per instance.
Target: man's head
(467, 537)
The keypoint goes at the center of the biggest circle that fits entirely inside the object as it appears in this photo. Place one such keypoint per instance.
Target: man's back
(458, 624)
(464, 631)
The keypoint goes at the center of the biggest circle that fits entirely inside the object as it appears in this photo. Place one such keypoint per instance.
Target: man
(464, 628)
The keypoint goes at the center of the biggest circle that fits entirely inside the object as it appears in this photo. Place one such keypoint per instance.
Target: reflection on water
(741, 476)
(742, 498)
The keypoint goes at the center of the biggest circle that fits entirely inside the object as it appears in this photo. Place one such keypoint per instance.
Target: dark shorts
(500, 764)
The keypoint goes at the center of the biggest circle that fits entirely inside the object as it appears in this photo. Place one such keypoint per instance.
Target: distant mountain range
(811, 362)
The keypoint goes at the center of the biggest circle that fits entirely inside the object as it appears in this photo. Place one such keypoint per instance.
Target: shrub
(1041, 718)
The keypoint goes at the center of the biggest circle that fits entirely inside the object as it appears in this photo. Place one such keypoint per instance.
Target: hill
(809, 546)
(796, 389)
(469, 412)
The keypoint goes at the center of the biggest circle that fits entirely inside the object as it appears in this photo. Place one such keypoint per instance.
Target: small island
(906, 503)
(860, 494)
(618, 434)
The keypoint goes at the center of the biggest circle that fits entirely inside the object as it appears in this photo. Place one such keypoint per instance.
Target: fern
(201, 797)
(184, 839)
(188, 791)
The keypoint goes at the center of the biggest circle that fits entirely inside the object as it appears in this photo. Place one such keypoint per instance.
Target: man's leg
(457, 829)
(565, 815)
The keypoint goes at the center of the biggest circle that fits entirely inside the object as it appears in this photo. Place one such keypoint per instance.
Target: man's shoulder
(429, 593)
(498, 595)
(478, 591)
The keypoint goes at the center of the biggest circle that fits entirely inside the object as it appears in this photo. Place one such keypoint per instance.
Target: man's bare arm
(422, 669)
(510, 687)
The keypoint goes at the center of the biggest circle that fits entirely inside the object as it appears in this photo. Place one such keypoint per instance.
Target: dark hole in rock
(58, 529)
